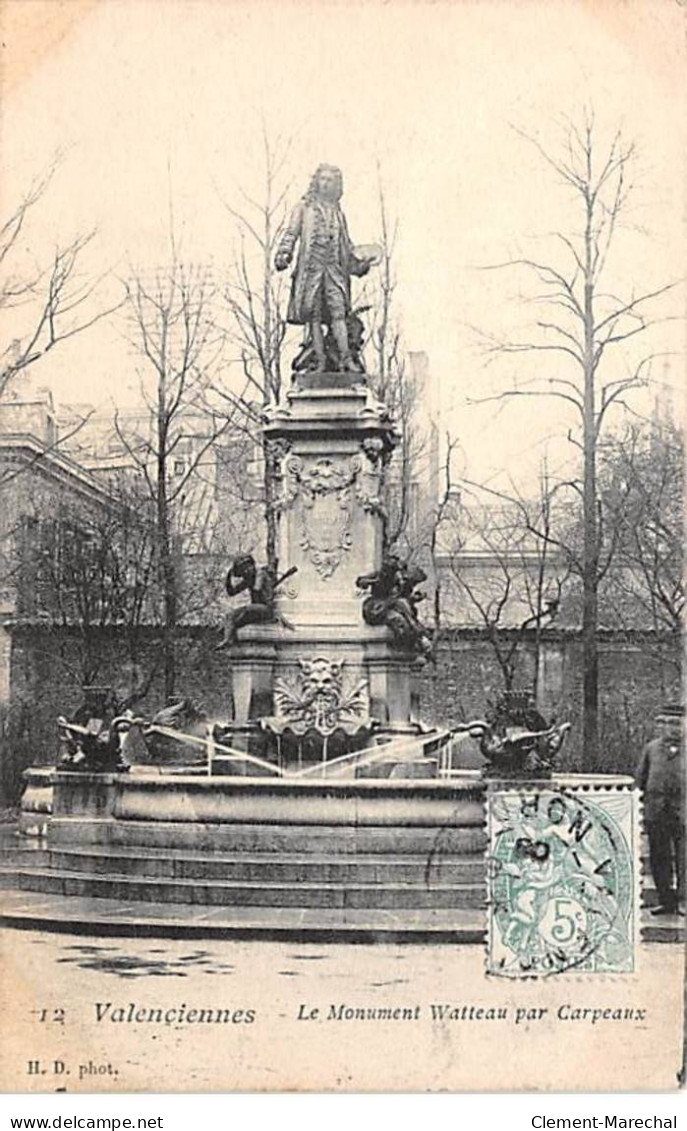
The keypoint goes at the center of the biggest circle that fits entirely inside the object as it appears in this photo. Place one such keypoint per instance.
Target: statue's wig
(312, 192)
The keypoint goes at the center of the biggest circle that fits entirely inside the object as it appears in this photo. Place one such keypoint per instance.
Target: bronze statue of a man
(321, 282)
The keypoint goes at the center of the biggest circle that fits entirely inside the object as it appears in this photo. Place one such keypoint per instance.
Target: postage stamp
(562, 891)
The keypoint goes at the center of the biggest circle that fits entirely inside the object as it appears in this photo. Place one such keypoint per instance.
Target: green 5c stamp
(561, 881)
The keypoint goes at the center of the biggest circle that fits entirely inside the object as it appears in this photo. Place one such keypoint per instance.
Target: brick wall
(636, 676)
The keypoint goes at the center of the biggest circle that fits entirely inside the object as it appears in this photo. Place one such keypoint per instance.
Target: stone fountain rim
(463, 780)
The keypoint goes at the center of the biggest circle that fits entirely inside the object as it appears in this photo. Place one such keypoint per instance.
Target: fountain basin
(174, 810)
(355, 859)
(171, 798)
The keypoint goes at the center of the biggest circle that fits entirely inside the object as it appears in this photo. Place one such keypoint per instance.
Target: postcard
(341, 474)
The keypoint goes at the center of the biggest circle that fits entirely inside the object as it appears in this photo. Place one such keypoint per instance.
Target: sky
(153, 101)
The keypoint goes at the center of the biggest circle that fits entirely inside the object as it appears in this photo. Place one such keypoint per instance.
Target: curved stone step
(251, 838)
(284, 868)
(96, 917)
(111, 917)
(18, 856)
(262, 893)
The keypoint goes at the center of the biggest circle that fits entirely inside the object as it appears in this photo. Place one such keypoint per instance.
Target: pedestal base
(353, 680)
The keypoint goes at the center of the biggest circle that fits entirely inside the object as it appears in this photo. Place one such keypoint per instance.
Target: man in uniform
(659, 775)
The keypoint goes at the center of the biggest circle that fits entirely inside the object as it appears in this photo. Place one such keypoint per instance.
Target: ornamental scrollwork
(323, 490)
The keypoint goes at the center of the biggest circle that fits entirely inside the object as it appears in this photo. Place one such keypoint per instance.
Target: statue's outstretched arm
(289, 238)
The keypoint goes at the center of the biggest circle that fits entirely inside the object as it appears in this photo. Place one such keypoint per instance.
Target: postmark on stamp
(561, 873)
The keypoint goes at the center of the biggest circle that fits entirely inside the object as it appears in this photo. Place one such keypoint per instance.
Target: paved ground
(105, 1014)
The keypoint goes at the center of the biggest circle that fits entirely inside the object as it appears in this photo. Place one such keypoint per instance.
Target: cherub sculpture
(392, 601)
(261, 584)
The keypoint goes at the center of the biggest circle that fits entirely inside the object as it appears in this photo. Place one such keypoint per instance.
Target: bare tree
(445, 516)
(508, 576)
(87, 568)
(385, 333)
(642, 472)
(173, 327)
(47, 300)
(582, 325)
(397, 385)
(255, 297)
(84, 579)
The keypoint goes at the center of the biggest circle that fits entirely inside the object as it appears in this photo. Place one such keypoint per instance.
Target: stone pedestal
(333, 444)
(329, 670)
(270, 661)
